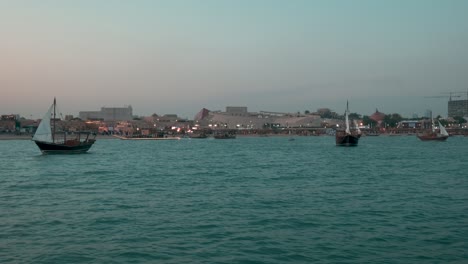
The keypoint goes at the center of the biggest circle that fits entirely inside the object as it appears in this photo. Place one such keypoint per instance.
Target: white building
(108, 114)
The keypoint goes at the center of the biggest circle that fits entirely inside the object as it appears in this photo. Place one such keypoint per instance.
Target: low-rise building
(239, 118)
(416, 124)
(11, 117)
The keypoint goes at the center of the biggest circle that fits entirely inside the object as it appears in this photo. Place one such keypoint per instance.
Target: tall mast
(432, 123)
(53, 134)
(347, 118)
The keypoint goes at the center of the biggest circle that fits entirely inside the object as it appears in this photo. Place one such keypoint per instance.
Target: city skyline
(176, 57)
(62, 114)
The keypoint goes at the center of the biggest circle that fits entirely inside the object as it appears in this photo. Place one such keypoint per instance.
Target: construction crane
(443, 96)
(451, 94)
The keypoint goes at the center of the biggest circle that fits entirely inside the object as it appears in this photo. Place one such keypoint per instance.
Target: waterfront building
(9, 123)
(7, 126)
(10, 117)
(240, 118)
(458, 108)
(154, 118)
(108, 114)
(415, 124)
(202, 114)
(237, 110)
(378, 117)
(169, 118)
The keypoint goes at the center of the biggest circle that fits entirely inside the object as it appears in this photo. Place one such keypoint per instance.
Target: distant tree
(367, 121)
(306, 112)
(331, 115)
(326, 113)
(460, 120)
(354, 116)
(392, 120)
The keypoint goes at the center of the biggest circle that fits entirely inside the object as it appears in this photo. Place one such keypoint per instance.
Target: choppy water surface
(248, 200)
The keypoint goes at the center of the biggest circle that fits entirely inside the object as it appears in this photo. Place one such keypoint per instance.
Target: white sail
(357, 127)
(347, 124)
(432, 124)
(44, 131)
(347, 119)
(443, 132)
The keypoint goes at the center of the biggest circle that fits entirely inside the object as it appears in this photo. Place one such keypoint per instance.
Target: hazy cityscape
(122, 121)
(233, 131)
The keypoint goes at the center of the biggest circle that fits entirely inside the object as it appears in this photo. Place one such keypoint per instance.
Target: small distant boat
(432, 135)
(347, 138)
(224, 135)
(373, 134)
(147, 138)
(50, 141)
(197, 135)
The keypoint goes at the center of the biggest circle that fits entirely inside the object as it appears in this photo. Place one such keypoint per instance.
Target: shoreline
(115, 137)
(29, 137)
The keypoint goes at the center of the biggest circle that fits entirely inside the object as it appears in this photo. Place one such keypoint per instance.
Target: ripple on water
(249, 200)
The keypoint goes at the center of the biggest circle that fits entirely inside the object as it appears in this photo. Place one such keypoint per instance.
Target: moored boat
(432, 135)
(347, 138)
(147, 138)
(197, 135)
(224, 135)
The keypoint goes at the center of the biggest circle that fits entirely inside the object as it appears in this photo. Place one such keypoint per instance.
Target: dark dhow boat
(347, 138)
(50, 141)
(432, 135)
(197, 135)
(225, 134)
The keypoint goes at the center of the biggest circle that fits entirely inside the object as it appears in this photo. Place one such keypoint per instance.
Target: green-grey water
(248, 200)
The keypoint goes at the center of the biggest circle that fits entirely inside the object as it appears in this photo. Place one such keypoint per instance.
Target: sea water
(247, 200)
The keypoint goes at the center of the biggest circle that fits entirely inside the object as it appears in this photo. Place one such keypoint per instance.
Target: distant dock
(146, 138)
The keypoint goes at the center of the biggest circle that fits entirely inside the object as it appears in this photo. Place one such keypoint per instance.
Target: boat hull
(198, 136)
(347, 140)
(54, 148)
(147, 138)
(432, 137)
(224, 136)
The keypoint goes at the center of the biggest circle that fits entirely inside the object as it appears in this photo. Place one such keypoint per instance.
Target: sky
(177, 57)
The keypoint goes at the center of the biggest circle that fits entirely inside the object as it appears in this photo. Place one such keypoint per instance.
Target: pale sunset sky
(176, 57)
